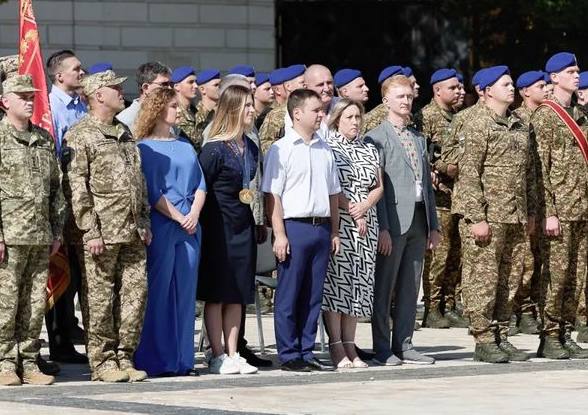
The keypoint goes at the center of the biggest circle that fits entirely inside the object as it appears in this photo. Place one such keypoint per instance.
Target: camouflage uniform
(202, 118)
(374, 118)
(108, 198)
(31, 218)
(273, 127)
(495, 185)
(528, 296)
(563, 188)
(452, 145)
(186, 124)
(442, 266)
(9, 65)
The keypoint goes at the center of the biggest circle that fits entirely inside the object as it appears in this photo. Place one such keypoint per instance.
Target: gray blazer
(396, 207)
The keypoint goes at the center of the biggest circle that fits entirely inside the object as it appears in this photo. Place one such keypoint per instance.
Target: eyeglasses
(165, 84)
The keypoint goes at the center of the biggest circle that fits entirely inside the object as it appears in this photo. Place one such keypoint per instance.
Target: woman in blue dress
(227, 271)
(176, 190)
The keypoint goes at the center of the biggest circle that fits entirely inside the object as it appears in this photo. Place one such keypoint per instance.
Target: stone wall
(202, 33)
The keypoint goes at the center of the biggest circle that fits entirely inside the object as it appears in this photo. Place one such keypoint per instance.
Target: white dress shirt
(302, 175)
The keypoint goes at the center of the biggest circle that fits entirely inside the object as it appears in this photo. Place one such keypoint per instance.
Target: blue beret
(459, 76)
(275, 76)
(292, 72)
(245, 70)
(529, 78)
(344, 76)
(491, 75)
(207, 75)
(407, 71)
(583, 80)
(476, 77)
(261, 78)
(181, 73)
(560, 61)
(100, 67)
(388, 72)
(442, 75)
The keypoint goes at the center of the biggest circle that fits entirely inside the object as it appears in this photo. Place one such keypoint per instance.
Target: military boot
(455, 320)
(435, 320)
(582, 335)
(134, 374)
(513, 330)
(9, 378)
(490, 353)
(551, 348)
(513, 353)
(32, 375)
(528, 324)
(110, 372)
(575, 351)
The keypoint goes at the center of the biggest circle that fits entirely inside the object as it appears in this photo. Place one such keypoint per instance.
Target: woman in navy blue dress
(227, 270)
(177, 191)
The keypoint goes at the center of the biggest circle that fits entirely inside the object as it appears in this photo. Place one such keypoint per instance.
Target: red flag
(30, 61)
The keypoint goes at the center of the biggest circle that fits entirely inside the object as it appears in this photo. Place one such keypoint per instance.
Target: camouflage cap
(18, 84)
(91, 83)
(9, 65)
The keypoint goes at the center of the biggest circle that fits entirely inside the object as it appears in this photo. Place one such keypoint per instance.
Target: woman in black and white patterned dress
(349, 285)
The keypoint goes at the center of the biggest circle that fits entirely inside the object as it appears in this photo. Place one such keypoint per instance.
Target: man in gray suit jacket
(408, 226)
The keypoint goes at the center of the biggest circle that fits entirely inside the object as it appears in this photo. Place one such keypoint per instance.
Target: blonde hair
(393, 81)
(151, 108)
(338, 110)
(228, 118)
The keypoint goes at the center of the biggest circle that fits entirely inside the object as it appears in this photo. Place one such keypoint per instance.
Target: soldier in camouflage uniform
(184, 80)
(563, 185)
(495, 196)
(274, 125)
(208, 82)
(110, 207)
(263, 97)
(531, 86)
(31, 224)
(442, 266)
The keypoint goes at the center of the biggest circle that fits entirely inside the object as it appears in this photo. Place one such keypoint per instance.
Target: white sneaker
(223, 365)
(244, 367)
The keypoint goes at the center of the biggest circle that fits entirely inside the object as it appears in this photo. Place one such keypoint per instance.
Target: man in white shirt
(301, 184)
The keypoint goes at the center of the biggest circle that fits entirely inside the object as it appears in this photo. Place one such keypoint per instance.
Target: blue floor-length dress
(171, 169)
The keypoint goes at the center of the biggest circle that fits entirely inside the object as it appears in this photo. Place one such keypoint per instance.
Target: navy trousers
(299, 293)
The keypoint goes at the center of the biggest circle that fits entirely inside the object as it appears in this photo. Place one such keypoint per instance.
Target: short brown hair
(298, 97)
(339, 108)
(55, 60)
(396, 80)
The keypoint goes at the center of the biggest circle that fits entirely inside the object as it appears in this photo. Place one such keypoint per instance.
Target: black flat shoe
(315, 364)
(68, 356)
(253, 359)
(296, 365)
(363, 355)
(48, 368)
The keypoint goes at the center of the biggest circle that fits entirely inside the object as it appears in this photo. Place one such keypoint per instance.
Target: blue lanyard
(245, 164)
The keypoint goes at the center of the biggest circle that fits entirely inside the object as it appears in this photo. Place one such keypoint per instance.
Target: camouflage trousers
(528, 298)
(442, 270)
(23, 283)
(565, 267)
(582, 314)
(491, 273)
(116, 286)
